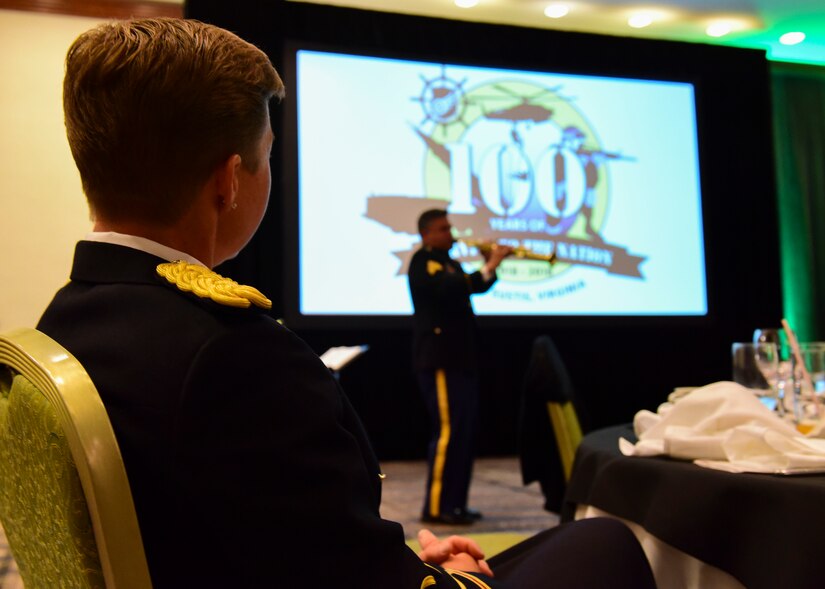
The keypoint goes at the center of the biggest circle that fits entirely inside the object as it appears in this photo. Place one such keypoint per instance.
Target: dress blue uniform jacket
(248, 466)
(444, 326)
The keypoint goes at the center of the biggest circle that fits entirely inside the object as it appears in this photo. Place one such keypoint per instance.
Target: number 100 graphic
(519, 150)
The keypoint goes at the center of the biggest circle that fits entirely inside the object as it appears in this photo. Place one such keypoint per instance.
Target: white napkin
(724, 425)
(758, 449)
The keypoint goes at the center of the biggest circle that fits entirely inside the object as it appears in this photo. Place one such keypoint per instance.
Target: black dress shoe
(457, 517)
(471, 513)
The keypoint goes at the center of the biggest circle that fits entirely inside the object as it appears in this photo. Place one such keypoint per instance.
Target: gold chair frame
(68, 388)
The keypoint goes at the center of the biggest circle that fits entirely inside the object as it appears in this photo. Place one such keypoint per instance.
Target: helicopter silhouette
(526, 111)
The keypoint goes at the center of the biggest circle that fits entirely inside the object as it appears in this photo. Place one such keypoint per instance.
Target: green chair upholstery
(65, 502)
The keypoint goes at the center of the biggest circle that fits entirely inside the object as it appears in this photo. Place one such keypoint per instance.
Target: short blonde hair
(153, 106)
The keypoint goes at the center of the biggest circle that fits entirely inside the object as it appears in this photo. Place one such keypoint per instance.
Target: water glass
(813, 355)
(809, 394)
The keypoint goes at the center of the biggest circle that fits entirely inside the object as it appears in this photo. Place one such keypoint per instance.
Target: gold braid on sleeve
(207, 284)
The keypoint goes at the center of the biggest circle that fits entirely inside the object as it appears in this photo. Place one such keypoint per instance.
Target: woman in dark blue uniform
(248, 466)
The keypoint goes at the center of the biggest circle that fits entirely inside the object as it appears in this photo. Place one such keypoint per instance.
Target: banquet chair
(65, 501)
(549, 426)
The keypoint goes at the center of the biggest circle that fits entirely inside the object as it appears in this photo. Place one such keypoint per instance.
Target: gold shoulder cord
(207, 284)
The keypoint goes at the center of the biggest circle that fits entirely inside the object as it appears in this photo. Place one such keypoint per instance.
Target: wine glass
(766, 356)
(772, 335)
(782, 376)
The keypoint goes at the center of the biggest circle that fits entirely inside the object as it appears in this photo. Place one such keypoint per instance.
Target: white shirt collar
(141, 243)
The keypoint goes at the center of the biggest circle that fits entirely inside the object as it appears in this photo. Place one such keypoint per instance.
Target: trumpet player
(444, 358)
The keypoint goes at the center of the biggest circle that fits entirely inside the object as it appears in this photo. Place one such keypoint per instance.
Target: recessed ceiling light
(640, 20)
(718, 29)
(466, 3)
(792, 38)
(556, 10)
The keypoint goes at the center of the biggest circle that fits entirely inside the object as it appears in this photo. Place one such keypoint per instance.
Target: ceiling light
(640, 20)
(466, 3)
(718, 29)
(556, 10)
(792, 38)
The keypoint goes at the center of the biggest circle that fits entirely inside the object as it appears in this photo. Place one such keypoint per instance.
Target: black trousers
(451, 399)
(586, 554)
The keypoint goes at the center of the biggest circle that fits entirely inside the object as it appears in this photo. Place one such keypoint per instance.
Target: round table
(763, 530)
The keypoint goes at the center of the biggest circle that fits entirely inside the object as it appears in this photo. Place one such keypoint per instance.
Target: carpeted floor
(511, 511)
(496, 490)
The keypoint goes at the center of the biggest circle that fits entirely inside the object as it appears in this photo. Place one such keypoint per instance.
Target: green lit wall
(799, 138)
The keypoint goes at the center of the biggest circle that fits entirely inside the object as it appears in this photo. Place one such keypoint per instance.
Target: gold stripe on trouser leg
(443, 441)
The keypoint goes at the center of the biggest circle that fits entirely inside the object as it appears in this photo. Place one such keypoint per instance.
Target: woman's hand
(454, 552)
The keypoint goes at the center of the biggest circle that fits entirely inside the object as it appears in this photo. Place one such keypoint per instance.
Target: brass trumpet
(520, 252)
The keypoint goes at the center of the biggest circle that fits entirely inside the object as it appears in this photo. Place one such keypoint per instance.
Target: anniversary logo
(602, 172)
(517, 163)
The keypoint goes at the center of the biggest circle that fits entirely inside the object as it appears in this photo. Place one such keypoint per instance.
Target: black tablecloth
(765, 530)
